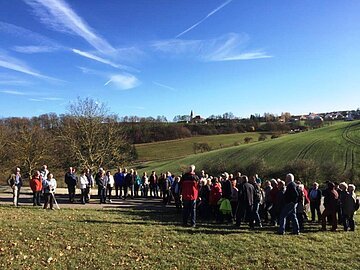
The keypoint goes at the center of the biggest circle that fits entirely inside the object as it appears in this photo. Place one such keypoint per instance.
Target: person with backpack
(288, 211)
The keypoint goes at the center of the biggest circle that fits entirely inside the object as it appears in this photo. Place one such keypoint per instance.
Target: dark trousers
(189, 210)
(49, 199)
(102, 194)
(177, 201)
(154, 190)
(348, 222)
(118, 189)
(288, 212)
(83, 195)
(315, 207)
(145, 190)
(127, 188)
(332, 214)
(71, 191)
(255, 216)
(36, 198)
(109, 189)
(166, 196)
(300, 218)
(244, 213)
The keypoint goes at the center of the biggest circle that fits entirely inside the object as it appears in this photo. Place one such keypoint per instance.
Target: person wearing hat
(15, 182)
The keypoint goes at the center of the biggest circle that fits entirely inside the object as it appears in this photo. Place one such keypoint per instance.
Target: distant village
(267, 117)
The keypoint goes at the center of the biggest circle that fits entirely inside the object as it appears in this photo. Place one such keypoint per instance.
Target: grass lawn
(32, 238)
(183, 147)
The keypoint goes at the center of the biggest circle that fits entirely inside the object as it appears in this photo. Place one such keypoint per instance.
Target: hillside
(171, 149)
(339, 143)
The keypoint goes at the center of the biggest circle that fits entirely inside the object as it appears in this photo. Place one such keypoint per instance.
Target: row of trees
(305, 170)
(86, 136)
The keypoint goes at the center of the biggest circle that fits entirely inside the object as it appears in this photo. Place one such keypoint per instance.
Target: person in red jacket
(36, 187)
(189, 184)
(214, 197)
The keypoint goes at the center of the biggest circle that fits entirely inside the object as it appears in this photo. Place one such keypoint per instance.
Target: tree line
(85, 136)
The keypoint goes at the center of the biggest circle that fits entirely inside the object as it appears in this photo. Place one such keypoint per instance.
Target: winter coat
(49, 185)
(189, 186)
(215, 194)
(36, 184)
(348, 204)
(83, 182)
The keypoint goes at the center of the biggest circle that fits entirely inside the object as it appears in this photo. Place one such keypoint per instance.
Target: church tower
(191, 115)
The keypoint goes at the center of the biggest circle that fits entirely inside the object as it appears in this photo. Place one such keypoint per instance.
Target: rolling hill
(338, 143)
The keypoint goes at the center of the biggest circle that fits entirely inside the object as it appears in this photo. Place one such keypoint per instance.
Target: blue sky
(167, 57)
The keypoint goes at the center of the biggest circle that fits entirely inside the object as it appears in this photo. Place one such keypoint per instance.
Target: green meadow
(338, 143)
(32, 238)
(180, 148)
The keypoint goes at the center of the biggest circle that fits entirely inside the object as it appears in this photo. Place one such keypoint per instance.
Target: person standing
(44, 172)
(83, 184)
(15, 182)
(118, 182)
(145, 185)
(70, 181)
(331, 202)
(90, 185)
(153, 180)
(288, 211)
(110, 184)
(315, 201)
(49, 187)
(129, 183)
(100, 180)
(36, 187)
(189, 184)
(245, 202)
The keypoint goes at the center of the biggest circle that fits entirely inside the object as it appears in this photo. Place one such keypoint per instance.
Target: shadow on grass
(169, 216)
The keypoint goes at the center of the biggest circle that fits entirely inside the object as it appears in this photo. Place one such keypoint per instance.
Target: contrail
(203, 19)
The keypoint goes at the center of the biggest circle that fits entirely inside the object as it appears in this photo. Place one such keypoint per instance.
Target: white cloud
(13, 92)
(101, 60)
(164, 86)
(34, 49)
(59, 16)
(28, 35)
(12, 63)
(123, 81)
(229, 47)
(205, 18)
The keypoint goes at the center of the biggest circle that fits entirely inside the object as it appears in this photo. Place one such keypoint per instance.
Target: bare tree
(29, 147)
(92, 136)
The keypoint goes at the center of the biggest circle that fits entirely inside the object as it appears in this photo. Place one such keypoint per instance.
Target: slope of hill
(339, 143)
(171, 149)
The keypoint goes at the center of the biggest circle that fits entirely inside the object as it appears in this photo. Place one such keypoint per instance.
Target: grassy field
(180, 148)
(339, 143)
(137, 239)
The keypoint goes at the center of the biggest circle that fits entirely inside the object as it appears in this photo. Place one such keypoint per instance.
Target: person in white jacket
(83, 184)
(49, 188)
(110, 184)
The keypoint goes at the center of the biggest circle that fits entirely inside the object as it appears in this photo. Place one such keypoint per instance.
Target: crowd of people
(227, 198)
